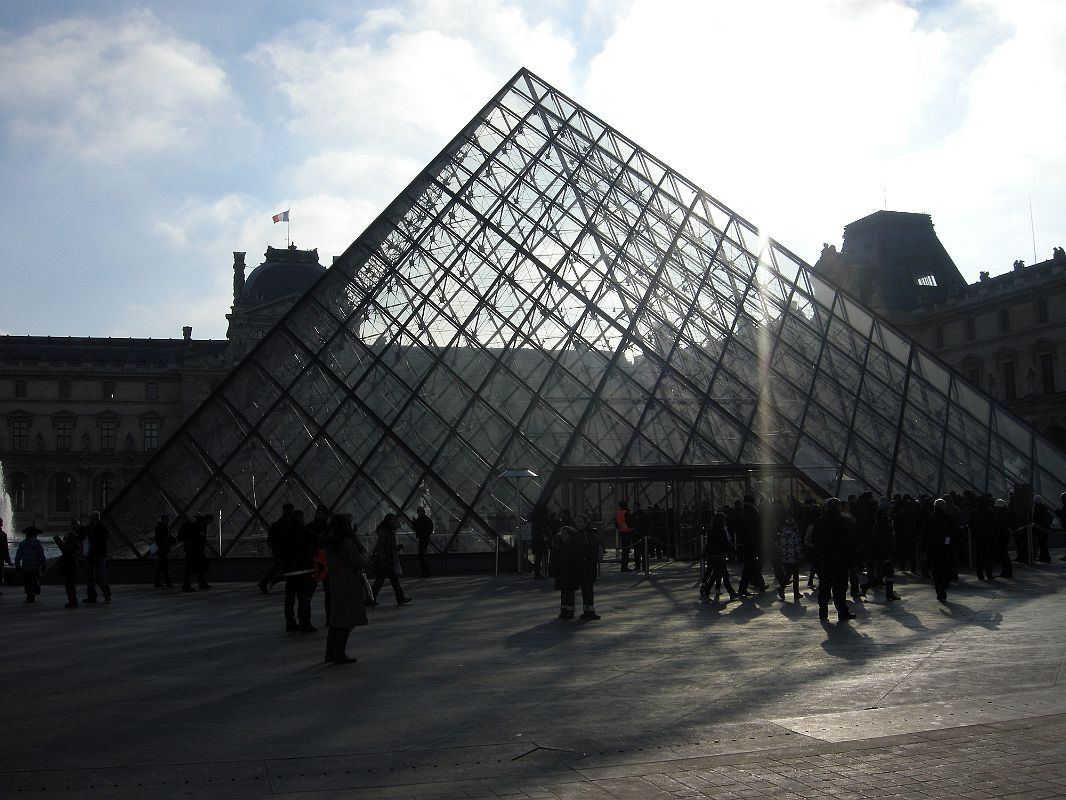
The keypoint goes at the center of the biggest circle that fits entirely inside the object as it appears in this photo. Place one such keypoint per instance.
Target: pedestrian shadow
(898, 613)
(545, 634)
(792, 610)
(989, 620)
(844, 640)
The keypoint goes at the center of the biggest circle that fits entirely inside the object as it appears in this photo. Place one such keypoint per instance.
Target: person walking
(275, 533)
(347, 566)
(423, 528)
(641, 524)
(95, 536)
(716, 553)
(833, 541)
(69, 553)
(193, 537)
(938, 535)
(1001, 542)
(748, 532)
(295, 551)
(1042, 521)
(880, 553)
(789, 547)
(624, 526)
(30, 561)
(164, 540)
(983, 537)
(588, 551)
(387, 559)
(540, 536)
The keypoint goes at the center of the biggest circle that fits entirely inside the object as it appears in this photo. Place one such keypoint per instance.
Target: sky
(143, 142)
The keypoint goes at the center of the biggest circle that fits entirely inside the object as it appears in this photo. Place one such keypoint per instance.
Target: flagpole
(288, 222)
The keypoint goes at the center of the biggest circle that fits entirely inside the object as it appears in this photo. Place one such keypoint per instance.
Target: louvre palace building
(548, 313)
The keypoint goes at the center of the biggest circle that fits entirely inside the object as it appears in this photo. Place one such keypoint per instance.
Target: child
(30, 559)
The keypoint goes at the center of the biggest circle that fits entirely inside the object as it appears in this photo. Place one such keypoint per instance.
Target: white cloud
(110, 90)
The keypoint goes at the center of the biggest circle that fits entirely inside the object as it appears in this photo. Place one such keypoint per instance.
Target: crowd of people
(855, 545)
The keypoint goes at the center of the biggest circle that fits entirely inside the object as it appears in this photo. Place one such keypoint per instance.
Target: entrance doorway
(680, 501)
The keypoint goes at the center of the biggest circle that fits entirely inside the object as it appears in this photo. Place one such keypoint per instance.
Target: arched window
(18, 489)
(106, 489)
(63, 490)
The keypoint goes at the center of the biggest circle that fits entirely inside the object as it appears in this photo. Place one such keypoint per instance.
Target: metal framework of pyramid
(547, 294)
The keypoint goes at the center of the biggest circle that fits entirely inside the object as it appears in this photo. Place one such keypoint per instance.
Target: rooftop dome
(283, 273)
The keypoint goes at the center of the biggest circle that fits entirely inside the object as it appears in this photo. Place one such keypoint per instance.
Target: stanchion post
(646, 570)
(497, 571)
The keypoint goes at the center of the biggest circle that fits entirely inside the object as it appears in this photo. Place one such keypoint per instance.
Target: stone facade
(1006, 334)
(80, 416)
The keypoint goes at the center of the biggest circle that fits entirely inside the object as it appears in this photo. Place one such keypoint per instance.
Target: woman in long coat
(347, 563)
(387, 559)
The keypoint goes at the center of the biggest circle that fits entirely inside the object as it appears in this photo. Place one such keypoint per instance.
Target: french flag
(282, 217)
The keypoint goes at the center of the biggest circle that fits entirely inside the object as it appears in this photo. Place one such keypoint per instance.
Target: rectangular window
(1004, 320)
(20, 388)
(939, 335)
(1047, 373)
(20, 434)
(64, 492)
(1010, 389)
(151, 434)
(64, 390)
(64, 433)
(108, 390)
(1041, 310)
(971, 330)
(151, 391)
(108, 429)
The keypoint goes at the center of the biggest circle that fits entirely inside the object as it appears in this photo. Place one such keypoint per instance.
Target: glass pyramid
(547, 294)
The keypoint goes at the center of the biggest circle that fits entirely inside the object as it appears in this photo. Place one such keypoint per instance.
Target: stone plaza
(476, 689)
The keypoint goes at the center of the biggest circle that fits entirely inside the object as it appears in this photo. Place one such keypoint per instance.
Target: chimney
(238, 275)
(186, 333)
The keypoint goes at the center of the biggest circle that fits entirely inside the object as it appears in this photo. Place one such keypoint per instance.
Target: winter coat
(789, 545)
(347, 564)
(295, 550)
(29, 557)
(574, 558)
(833, 542)
(386, 553)
(882, 544)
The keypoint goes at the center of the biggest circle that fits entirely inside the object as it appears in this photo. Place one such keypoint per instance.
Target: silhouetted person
(983, 536)
(540, 539)
(938, 536)
(347, 565)
(624, 527)
(318, 527)
(30, 561)
(295, 551)
(833, 542)
(641, 524)
(749, 544)
(716, 552)
(1001, 515)
(69, 553)
(574, 556)
(789, 547)
(387, 559)
(163, 542)
(193, 537)
(274, 534)
(95, 534)
(1042, 521)
(880, 554)
(423, 528)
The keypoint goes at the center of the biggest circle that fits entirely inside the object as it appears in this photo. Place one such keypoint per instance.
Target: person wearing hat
(29, 559)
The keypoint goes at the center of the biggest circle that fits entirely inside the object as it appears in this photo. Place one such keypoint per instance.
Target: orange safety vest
(620, 521)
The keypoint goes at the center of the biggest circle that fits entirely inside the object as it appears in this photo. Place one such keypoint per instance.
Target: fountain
(5, 505)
